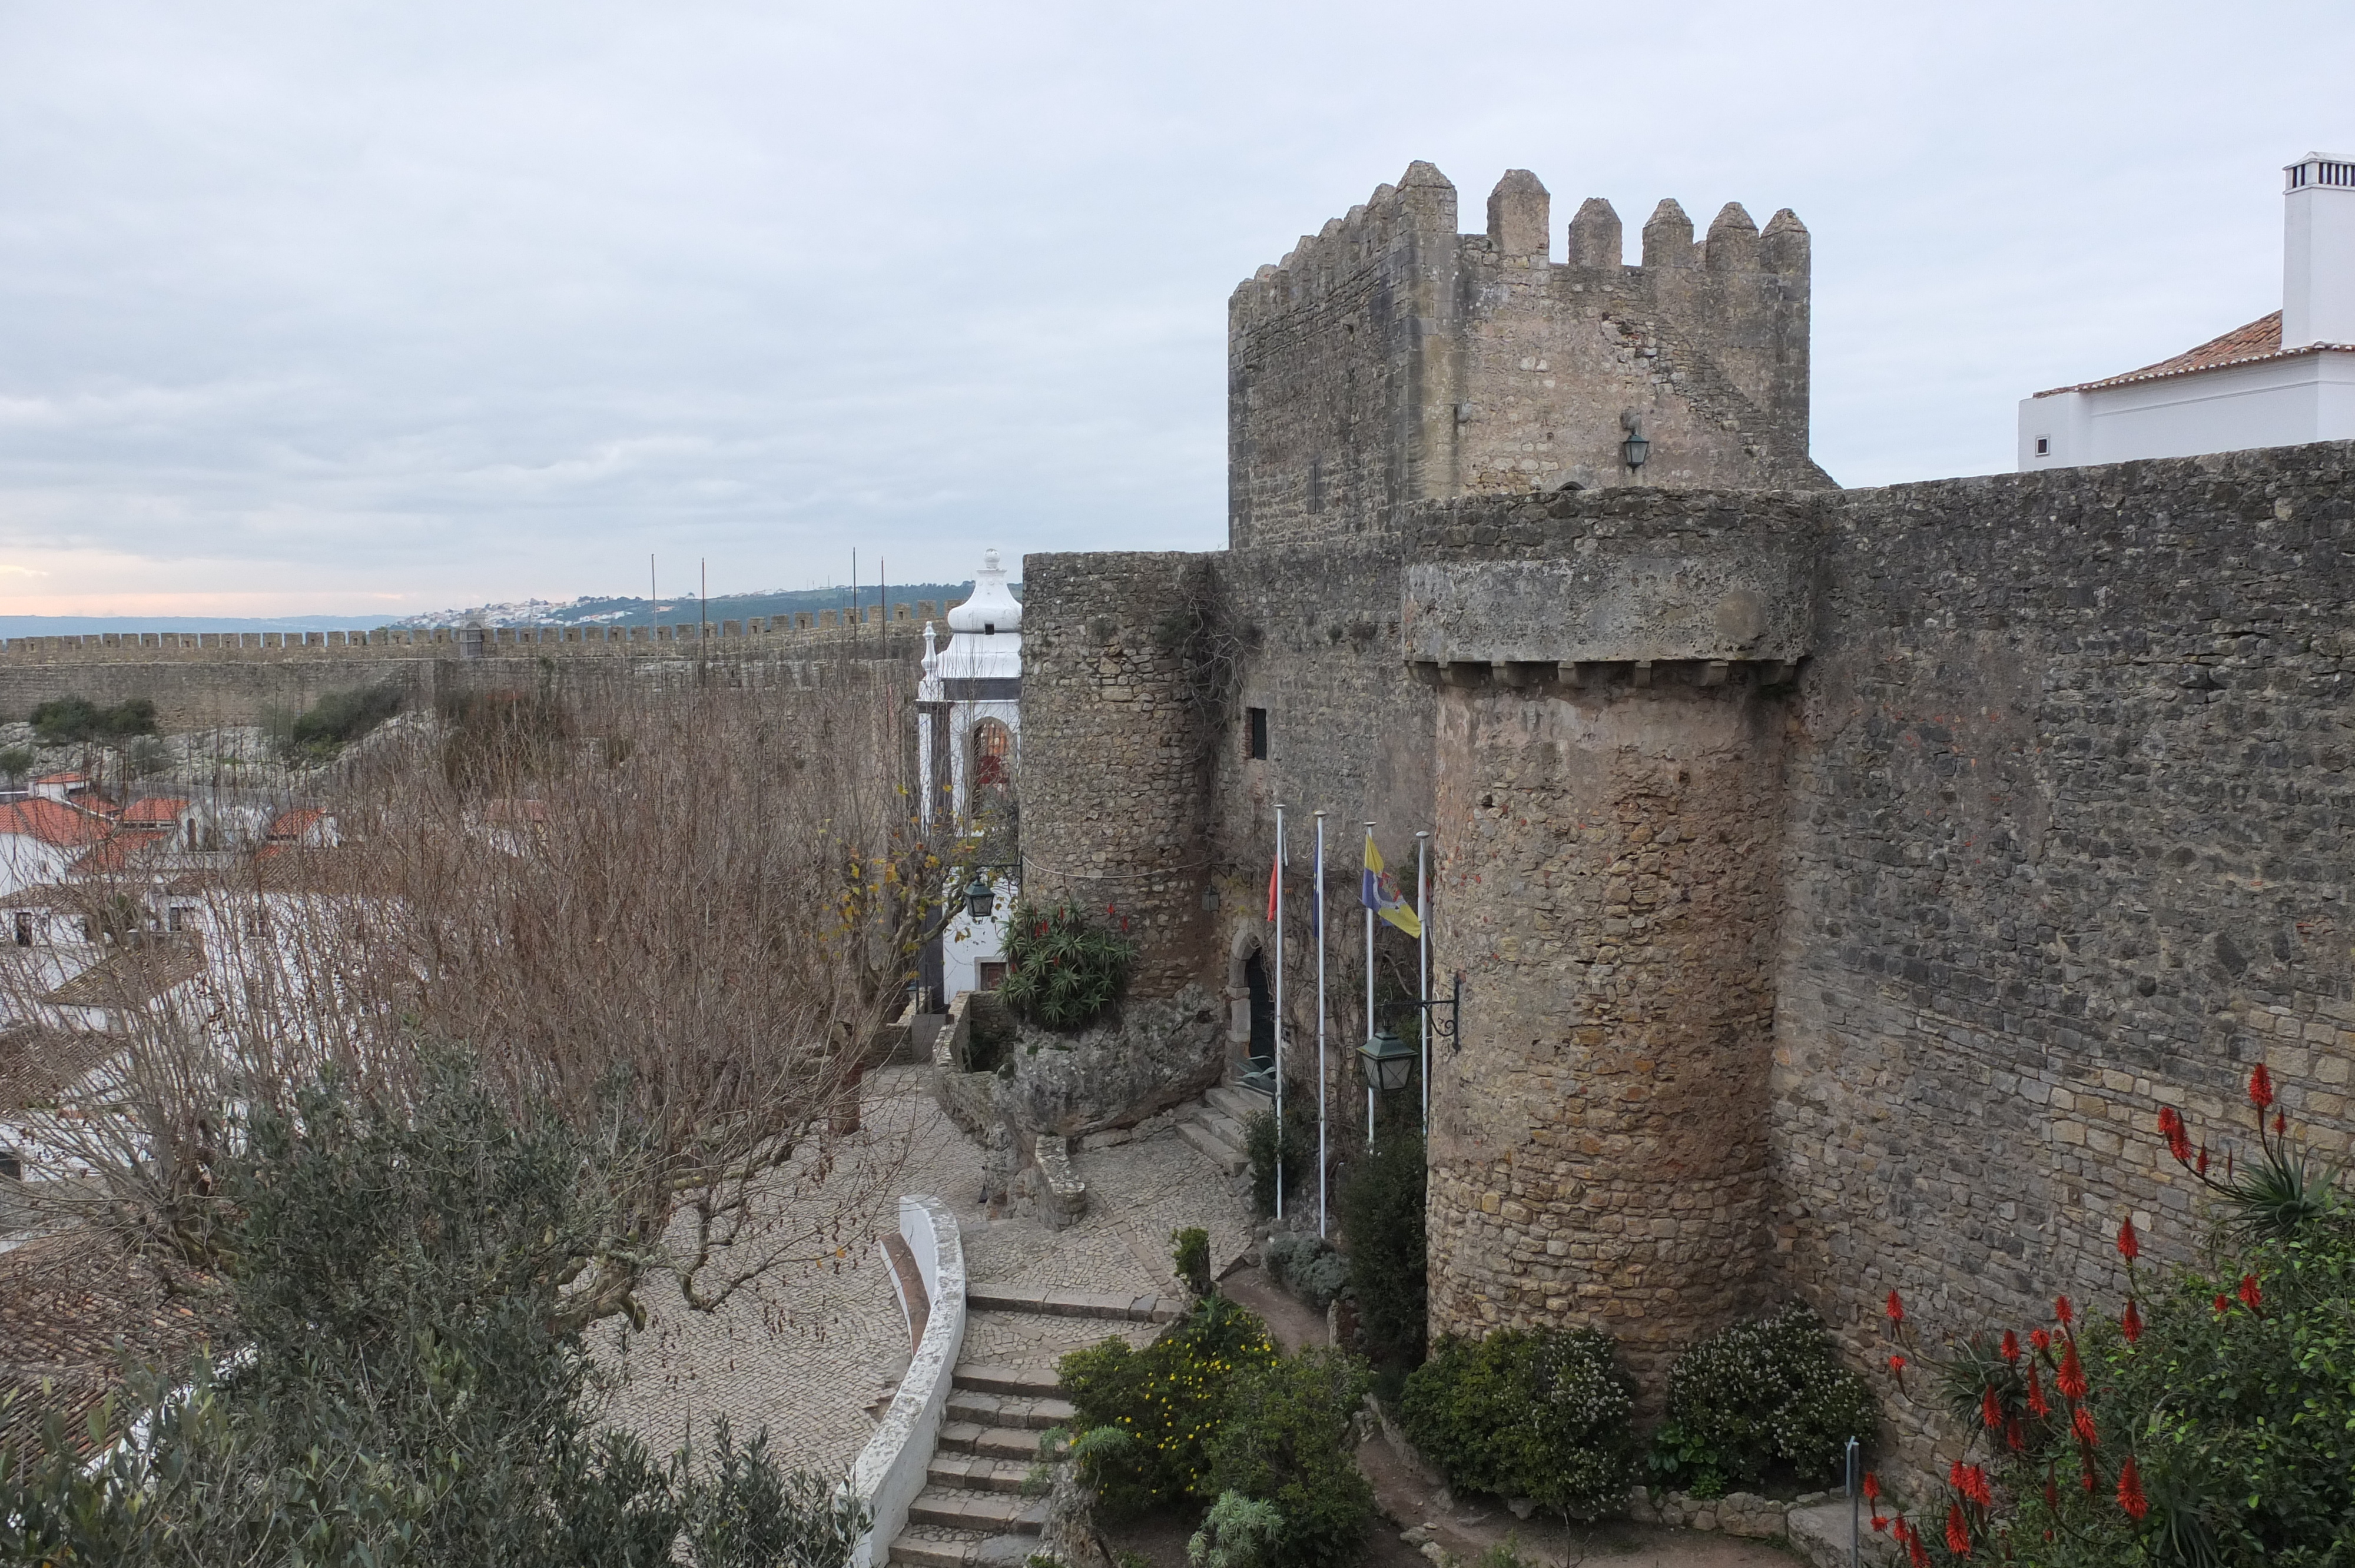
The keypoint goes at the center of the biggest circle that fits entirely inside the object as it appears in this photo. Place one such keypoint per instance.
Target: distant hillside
(529, 612)
(668, 612)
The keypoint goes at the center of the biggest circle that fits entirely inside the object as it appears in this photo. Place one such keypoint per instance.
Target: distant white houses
(968, 744)
(2282, 380)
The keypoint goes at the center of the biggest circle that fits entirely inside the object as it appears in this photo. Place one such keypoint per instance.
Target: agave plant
(1063, 968)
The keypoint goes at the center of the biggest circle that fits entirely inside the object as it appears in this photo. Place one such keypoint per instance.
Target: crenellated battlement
(1388, 358)
(804, 630)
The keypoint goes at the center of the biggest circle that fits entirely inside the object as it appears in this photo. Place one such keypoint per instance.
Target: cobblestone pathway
(815, 1353)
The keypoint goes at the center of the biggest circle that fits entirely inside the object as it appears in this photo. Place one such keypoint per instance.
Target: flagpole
(1279, 1010)
(1369, 993)
(1422, 962)
(1320, 1023)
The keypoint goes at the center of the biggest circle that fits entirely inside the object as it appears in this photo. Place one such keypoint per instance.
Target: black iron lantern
(1388, 1061)
(980, 898)
(1638, 446)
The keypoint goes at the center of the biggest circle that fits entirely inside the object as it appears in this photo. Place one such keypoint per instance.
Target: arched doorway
(993, 755)
(1261, 990)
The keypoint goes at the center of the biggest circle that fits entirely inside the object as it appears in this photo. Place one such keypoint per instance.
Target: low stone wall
(889, 1471)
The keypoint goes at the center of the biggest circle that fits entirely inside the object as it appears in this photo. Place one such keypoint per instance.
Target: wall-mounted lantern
(1638, 446)
(980, 898)
(1388, 1061)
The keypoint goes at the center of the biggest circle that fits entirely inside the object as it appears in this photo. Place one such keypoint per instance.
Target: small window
(2044, 446)
(1257, 719)
(11, 1166)
(993, 975)
(24, 927)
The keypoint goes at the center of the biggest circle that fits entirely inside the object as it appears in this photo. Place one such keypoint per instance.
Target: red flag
(1274, 870)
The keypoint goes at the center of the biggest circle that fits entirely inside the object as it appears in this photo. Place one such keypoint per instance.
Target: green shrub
(1190, 1255)
(1381, 1215)
(1299, 1154)
(1307, 1266)
(1767, 1397)
(337, 720)
(1238, 1532)
(402, 1396)
(1164, 1402)
(1062, 971)
(68, 719)
(16, 761)
(1285, 1441)
(1542, 1414)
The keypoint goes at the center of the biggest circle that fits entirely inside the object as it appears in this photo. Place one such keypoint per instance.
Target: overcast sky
(342, 307)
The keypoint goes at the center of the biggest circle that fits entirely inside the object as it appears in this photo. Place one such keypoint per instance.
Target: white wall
(2272, 403)
(966, 941)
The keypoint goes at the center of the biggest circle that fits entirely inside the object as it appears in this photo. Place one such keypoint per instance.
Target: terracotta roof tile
(159, 809)
(133, 976)
(65, 1300)
(53, 822)
(2261, 339)
(118, 853)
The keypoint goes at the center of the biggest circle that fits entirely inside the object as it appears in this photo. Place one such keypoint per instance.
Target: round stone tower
(1598, 1149)
(1112, 790)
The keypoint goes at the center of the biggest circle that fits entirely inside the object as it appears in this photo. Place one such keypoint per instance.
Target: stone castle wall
(2023, 804)
(1389, 360)
(199, 680)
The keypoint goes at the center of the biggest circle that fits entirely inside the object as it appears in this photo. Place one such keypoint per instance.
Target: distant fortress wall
(198, 680)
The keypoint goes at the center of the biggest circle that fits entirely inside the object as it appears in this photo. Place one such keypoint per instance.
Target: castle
(1841, 880)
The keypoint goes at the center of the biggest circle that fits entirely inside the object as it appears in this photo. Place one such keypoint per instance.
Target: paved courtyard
(815, 1351)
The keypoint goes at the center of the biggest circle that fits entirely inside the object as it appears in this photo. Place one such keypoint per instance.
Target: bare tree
(676, 914)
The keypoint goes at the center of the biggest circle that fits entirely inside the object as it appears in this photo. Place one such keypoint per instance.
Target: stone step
(990, 1442)
(937, 1548)
(911, 1553)
(1229, 1130)
(975, 1473)
(1072, 1304)
(1208, 1145)
(955, 1508)
(1014, 1378)
(1240, 1103)
(1003, 1410)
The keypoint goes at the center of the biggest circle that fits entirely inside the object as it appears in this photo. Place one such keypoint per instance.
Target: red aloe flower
(1975, 1486)
(2011, 1347)
(2131, 1324)
(2086, 1477)
(1916, 1554)
(2261, 1086)
(1897, 1370)
(1990, 1409)
(2040, 1339)
(1954, 1477)
(2036, 1405)
(2083, 1423)
(1878, 1524)
(2129, 1245)
(2281, 1124)
(2170, 1127)
(1896, 1309)
(1871, 1487)
(2203, 1160)
(2063, 1311)
(2130, 1496)
(2071, 1379)
(2016, 1435)
(2250, 1296)
(2223, 1305)
(1958, 1532)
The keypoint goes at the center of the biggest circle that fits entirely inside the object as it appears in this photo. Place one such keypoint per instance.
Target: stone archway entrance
(1259, 988)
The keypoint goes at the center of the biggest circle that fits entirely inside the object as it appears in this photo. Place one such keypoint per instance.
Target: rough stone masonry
(1842, 879)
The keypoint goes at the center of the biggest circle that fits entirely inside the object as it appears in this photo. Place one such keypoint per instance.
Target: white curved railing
(889, 1470)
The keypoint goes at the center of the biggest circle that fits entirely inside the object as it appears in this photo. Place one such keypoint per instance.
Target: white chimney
(2318, 251)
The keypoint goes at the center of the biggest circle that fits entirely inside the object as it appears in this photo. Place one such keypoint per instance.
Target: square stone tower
(1389, 359)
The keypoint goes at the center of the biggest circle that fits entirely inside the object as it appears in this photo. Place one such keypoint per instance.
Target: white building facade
(2282, 380)
(968, 749)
